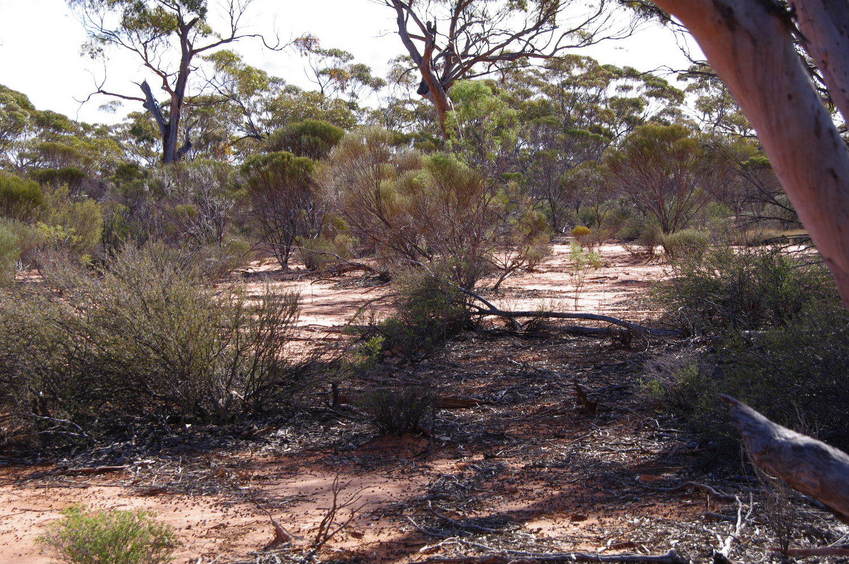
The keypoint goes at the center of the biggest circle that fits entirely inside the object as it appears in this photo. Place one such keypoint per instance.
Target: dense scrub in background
(142, 339)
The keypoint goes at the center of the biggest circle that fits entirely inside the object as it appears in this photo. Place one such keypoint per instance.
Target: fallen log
(805, 464)
(491, 309)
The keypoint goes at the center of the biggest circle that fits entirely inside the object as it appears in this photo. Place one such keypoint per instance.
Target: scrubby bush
(72, 224)
(309, 138)
(739, 289)
(110, 537)
(9, 254)
(396, 412)
(795, 374)
(429, 311)
(582, 261)
(20, 199)
(413, 209)
(688, 244)
(580, 232)
(142, 338)
(283, 200)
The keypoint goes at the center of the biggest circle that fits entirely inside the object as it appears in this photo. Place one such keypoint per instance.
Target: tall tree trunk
(749, 44)
(825, 26)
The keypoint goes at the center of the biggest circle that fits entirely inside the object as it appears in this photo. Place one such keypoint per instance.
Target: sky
(40, 49)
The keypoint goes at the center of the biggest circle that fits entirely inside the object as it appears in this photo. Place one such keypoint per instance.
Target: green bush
(309, 138)
(688, 244)
(19, 198)
(740, 289)
(430, 310)
(142, 338)
(9, 254)
(110, 537)
(581, 231)
(283, 200)
(396, 412)
(795, 374)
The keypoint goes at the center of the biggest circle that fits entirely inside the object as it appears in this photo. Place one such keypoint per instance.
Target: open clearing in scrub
(560, 451)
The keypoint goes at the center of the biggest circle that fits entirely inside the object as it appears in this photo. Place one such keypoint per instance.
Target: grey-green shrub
(689, 244)
(9, 254)
(20, 198)
(429, 311)
(143, 338)
(739, 289)
(398, 411)
(110, 537)
(796, 374)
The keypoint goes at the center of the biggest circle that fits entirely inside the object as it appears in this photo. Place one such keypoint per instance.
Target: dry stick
(725, 550)
(698, 485)
(633, 327)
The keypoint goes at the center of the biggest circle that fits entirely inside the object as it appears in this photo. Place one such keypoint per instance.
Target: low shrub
(142, 338)
(429, 311)
(396, 412)
(20, 198)
(795, 374)
(741, 289)
(580, 232)
(110, 537)
(9, 254)
(688, 244)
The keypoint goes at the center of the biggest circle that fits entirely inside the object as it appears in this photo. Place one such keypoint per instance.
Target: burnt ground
(534, 467)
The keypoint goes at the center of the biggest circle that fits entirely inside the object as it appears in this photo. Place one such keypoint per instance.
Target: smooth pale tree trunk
(749, 45)
(825, 23)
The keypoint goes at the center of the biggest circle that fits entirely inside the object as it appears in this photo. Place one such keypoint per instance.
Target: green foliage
(581, 231)
(429, 311)
(9, 253)
(110, 537)
(795, 374)
(308, 138)
(283, 198)
(667, 172)
(70, 176)
(687, 244)
(432, 210)
(142, 338)
(582, 261)
(396, 412)
(71, 223)
(19, 198)
(740, 289)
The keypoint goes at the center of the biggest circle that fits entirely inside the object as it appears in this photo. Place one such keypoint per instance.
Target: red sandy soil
(530, 468)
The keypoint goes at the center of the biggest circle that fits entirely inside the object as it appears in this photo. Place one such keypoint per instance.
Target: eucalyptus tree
(667, 172)
(451, 40)
(335, 72)
(572, 109)
(166, 36)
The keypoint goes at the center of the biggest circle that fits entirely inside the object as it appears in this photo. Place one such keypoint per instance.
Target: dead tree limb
(807, 465)
(635, 328)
